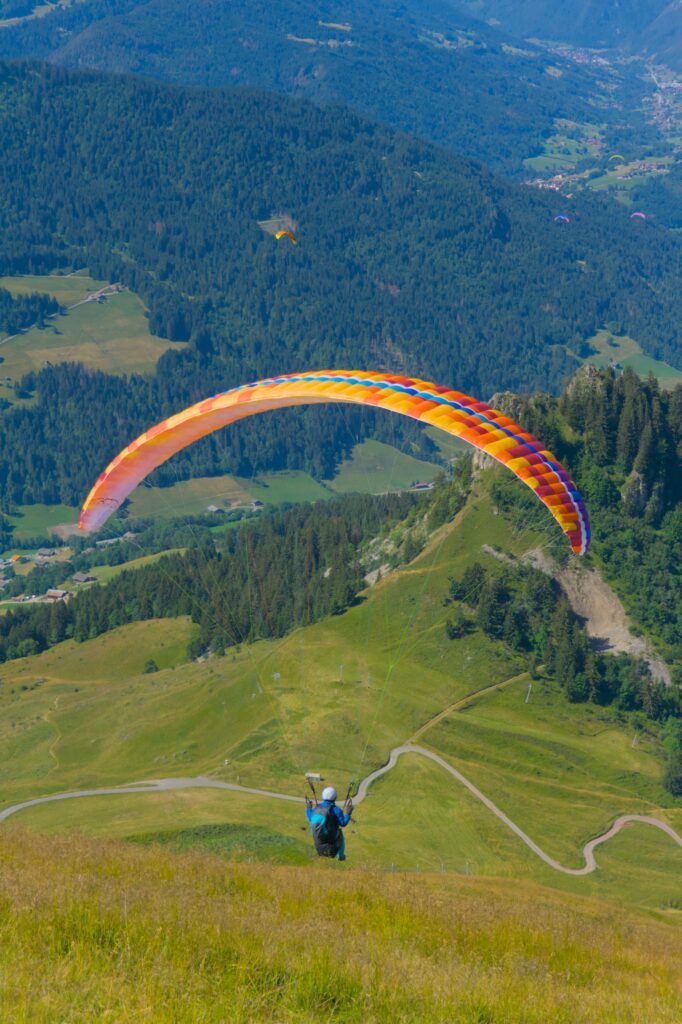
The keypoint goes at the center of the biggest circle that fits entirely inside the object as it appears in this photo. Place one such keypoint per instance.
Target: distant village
(48, 556)
(559, 181)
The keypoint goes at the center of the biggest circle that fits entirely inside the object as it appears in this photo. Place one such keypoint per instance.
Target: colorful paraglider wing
(639, 214)
(475, 422)
(287, 234)
(616, 156)
(562, 219)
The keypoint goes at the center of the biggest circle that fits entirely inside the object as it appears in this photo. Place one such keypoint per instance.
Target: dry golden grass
(107, 932)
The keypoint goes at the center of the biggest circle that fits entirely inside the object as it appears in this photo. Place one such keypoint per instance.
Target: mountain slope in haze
(652, 28)
(426, 68)
(436, 267)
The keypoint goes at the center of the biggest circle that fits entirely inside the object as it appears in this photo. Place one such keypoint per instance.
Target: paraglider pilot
(327, 822)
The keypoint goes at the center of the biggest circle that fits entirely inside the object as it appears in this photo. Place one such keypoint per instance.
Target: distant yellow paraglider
(289, 234)
(616, 156)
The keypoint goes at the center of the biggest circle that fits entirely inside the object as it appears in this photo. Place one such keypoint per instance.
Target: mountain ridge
(410, 64)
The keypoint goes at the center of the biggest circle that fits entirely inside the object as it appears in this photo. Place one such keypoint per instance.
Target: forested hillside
(623, 438)
(620, 437)
(262, 579)
(408, 258)
(422, 67)
(663, 197)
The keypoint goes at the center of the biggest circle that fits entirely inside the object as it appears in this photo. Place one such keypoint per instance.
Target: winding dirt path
(462, 703)
(201, 782)
(588, 850)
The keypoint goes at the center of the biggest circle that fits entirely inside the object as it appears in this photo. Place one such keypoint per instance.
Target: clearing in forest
(108, 331)
(620, 351)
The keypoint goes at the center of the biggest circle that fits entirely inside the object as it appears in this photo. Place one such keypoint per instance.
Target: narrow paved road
(201, 782)
(152, 786)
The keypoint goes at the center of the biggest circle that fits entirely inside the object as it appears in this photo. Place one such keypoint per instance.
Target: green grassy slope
(36, 520)
(375, 467)
(66, 289)
(135, 933)
(623, 351)
(372, 468)
(335, 698)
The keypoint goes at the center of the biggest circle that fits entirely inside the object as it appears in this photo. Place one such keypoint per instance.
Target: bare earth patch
(606, 620)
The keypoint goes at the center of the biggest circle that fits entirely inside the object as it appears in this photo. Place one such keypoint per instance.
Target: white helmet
(329, 793)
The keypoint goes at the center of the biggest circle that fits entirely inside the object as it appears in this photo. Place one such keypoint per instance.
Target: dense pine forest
(662, 195)
(262, 579)
(436, 267)
(20, 311)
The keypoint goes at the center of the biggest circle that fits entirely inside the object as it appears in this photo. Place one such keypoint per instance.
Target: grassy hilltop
(112, 932)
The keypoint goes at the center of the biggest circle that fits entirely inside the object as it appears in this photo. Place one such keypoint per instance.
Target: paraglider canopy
(452, 411)
(562, 219)
(616, 156)
(639, 214)
(288, 234)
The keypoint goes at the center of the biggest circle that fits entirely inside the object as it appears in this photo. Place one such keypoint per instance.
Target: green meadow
(570, 144)
(620, 179)
(187, 497)
(335, 698)
(375, 467)
(192, 497)
(104, 573)
(111, 335)
(372, 468)
(622, 351)
(37, 520)
(67, 290)
(287, 485)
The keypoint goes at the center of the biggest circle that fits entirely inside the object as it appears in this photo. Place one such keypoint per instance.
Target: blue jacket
(314, 818)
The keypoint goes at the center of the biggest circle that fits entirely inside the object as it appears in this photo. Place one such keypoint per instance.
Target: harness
(327, 834)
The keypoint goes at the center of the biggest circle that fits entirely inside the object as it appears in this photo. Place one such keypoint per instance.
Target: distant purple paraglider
(638, 213)
(562, 219)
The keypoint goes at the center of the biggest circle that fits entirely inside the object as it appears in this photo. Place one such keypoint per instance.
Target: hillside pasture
(372, 468)
(127, 928)
(377, 468)
(104, 573)
(187, 497)
(285, 486)
(335, 698)
(38, 520)
(67, 289)
(110, 335)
